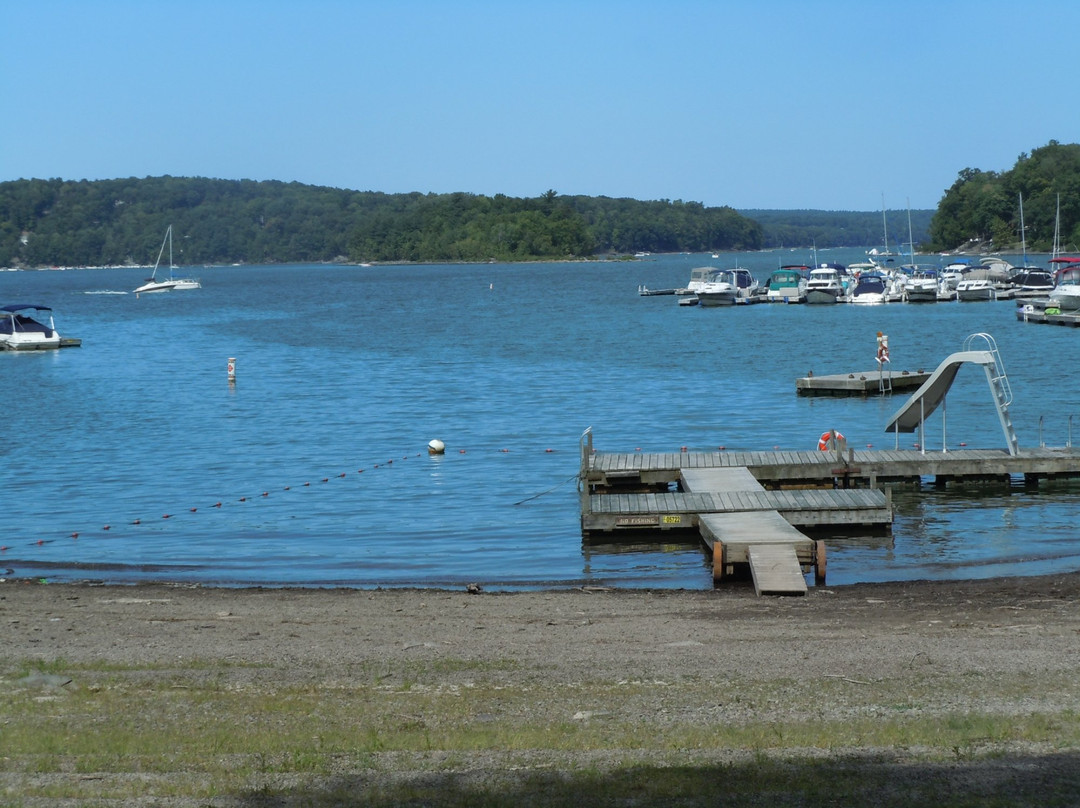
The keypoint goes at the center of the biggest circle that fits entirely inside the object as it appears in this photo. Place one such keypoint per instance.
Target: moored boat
(22, 329)
(970, 289)
(871, 289)
(824, 286)
(1066, 292)
(921, 285)
(729, 286)
(787, 284)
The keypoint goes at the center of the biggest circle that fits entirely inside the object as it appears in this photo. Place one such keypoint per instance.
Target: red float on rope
(105, 527)
(74, 535)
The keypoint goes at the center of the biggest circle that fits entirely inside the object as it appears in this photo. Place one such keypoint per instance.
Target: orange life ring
(823, 441)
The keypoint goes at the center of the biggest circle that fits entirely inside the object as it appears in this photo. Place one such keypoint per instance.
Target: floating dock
(1039, 312)
(865, 383)
(752, 508)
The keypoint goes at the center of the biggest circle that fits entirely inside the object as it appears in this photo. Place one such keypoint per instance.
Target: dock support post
(717, 562)
(819, 563)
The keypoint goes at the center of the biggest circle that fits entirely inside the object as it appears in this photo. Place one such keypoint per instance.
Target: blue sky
(759, 104)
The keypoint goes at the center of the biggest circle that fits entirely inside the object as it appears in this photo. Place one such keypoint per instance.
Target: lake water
(318, 453)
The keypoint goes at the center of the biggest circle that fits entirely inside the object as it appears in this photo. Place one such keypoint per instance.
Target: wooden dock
(1039, 312)
(777, 553)
(865, 383)
(750, 508)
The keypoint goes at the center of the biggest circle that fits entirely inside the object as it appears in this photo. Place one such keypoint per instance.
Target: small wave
(105, 292)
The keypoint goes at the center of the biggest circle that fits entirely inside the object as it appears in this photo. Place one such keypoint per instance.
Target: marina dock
(1039, 312)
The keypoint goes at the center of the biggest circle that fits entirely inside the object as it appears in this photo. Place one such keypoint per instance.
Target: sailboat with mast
(884, 251)
(167, 284)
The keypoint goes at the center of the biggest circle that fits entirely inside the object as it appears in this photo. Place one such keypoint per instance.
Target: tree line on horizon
(58, 222)
(114, 222)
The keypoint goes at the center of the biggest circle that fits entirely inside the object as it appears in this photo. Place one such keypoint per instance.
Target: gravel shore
(658, 659)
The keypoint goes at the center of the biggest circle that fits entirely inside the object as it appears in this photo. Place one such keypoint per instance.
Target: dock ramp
(932, 393)
(775, 551)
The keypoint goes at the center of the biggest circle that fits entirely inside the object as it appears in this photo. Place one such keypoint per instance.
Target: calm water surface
(317, 454)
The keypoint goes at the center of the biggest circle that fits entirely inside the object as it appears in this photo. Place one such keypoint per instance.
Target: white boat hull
(1066, 299)
(716, 297)
(155, 286)
(29, 342)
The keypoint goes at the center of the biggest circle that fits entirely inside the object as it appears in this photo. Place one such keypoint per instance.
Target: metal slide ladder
(884, 378)
(933, 392)
(999, 386)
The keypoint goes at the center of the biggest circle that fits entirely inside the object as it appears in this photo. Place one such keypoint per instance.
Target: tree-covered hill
(842, 228)
(109, 222)
(983, 207)
(59, 222)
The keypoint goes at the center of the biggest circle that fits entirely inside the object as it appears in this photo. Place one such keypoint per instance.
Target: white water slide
(924, 401)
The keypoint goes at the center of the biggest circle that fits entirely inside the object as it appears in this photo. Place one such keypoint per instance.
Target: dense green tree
(984, 206)
(106, 222)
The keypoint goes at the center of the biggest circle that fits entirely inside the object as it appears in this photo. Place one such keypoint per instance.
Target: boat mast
(1023, 235)
(884, 225)
(1057, 231)
(910, 235)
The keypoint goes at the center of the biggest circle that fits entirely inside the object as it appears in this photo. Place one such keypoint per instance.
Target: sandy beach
(658, 660)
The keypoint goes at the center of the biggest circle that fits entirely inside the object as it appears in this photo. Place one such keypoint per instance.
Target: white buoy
(232, 368)
(436, 447)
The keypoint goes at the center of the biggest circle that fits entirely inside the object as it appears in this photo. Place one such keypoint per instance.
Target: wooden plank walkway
(607, 471)
(748, 529)
(744, 503)
(776, 570)
(679, 509)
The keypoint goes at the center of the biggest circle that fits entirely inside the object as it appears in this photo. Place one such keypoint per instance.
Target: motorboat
(953, 273)
(787, 284)
(824, 285)
(153, 284)
(729, 287)
(1033, 281)
(699, 276)
(994, 269)
(22, 328)
(970, 288)
(870, 289)
(1066, 292)
(921, 285)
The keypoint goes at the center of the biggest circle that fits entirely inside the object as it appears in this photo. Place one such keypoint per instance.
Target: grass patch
(204, 730)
